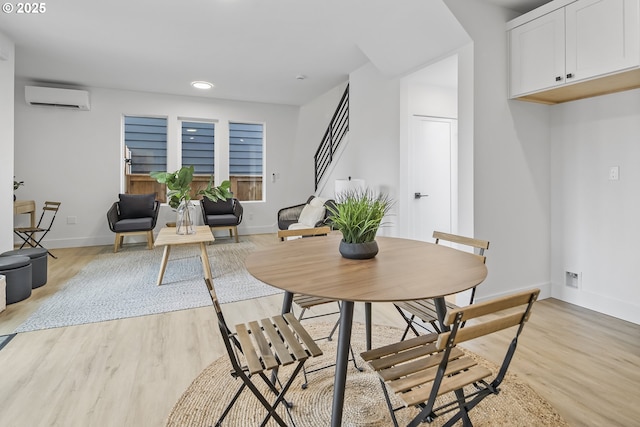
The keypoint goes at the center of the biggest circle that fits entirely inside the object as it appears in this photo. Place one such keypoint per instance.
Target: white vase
(186, 218)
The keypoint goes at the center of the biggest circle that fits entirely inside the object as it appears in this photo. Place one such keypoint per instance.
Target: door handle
(418, 195)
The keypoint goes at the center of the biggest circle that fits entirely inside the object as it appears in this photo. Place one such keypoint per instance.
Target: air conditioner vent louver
(54, 97)
(42, 104)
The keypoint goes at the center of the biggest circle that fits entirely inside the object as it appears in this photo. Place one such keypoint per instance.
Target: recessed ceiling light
(201, 85)
(192, 130)
(301, 77)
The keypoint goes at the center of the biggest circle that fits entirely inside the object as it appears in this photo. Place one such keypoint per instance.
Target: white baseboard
(605, 304)
(545, 292)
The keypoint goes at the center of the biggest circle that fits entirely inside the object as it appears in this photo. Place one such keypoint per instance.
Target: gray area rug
(121, 285)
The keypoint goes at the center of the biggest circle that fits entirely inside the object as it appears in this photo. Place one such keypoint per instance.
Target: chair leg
(280, 395)
(329, 337)
(116, 243)
(150, 239)
(409, 321)
(230, 405)
(234, 231)
(392, 412)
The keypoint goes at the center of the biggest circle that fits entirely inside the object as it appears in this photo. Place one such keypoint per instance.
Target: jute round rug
(204, 400)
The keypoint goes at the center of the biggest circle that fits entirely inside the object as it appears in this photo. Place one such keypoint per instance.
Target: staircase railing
(338, 128)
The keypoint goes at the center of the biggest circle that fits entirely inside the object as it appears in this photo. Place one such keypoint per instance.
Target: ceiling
(276, 51)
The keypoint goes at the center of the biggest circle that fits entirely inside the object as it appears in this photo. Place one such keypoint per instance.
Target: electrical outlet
(614, 173)
(572, 280)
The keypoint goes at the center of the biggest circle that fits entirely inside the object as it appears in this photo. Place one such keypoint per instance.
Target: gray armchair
(133, 214)
(223, 214)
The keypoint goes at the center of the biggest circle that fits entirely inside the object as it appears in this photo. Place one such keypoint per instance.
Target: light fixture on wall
(199, 84)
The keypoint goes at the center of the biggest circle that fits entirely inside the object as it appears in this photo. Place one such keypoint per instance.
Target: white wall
(372, 152)
(595, 221)
(511, 160)
(511, 165)
(76, 156)
(7, 67)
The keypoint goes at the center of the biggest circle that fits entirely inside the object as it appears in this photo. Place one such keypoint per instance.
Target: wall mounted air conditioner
(55, 97)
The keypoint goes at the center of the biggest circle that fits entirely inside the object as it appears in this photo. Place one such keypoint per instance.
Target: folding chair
(420, 369)
(26, 233)
(256, 347)
(425, 310)
(308, 302)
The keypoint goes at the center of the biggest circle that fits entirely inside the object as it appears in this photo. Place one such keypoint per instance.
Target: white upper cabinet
(537, 54)
(574, 50)
(602, 36)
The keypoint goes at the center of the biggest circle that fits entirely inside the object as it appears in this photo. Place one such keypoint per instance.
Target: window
(197, 150)
(197, 146)
(145, 141)
(246, 160)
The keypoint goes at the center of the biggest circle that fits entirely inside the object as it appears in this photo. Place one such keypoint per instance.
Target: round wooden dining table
(402, 270)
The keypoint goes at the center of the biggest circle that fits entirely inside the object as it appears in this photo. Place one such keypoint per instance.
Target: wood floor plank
(132, 371)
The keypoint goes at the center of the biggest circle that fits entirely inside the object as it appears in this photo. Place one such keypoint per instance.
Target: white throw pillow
(317, 201)
(310, 215)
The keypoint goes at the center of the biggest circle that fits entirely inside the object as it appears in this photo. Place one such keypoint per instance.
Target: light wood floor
(130, 372)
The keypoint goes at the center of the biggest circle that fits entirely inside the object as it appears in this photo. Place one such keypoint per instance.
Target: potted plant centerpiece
(179, 195)
(358, 214)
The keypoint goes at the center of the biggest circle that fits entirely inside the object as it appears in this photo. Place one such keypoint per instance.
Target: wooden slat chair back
(420, 369)
(425, 309)
(49, 209)
(259, 346)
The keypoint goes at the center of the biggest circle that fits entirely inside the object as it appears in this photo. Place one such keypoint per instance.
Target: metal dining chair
(49, 210)
(423, 368)
(424, 310)
(259, 346)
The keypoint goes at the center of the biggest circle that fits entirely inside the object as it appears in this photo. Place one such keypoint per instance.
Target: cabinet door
(537, 54)
(602, 36)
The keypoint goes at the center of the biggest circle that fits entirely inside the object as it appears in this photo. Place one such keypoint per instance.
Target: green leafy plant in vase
(358, 214)
(179, 195)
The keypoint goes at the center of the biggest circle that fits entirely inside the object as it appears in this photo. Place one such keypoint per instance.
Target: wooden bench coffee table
(168, 237)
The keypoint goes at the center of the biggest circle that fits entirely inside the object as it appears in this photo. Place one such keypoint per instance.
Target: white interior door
(433, 176)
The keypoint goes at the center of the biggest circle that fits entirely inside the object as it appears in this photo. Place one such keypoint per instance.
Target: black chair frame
(438, 351)
(234, 348)
(425, 310)
(113, 216)
(27, 233)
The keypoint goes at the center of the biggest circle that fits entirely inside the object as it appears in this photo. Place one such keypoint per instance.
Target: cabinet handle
(559, 78)
(570, 75)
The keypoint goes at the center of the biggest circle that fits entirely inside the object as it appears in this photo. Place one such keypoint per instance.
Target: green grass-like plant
(358, 214)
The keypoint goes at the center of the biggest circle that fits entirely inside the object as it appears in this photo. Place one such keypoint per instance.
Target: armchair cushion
(221, 213)
(293, 214)
(311, 215)
(133, 224)
(317, 201)
(135, 206)
(220, 207)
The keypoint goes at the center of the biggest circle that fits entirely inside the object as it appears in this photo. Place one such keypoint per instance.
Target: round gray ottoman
(38, 264)
(17, 271)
